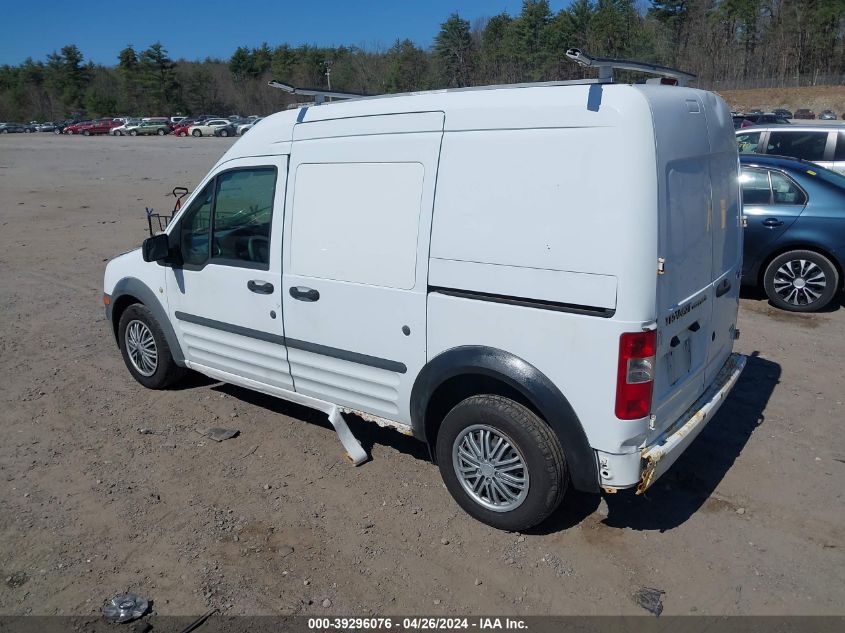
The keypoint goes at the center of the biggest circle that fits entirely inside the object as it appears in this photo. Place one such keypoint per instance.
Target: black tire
(183, 134)
(800, 267)
(57, 131)
(86, 133)
(166, 371)
(196, 133)
(224, 133)
(27, 131)
(133, 133)
(535, 443)
(160, 132)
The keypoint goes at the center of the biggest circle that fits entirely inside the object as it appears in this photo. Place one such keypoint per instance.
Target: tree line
(727, 43)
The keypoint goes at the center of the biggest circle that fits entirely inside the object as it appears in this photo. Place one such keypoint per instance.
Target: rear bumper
(659, 457)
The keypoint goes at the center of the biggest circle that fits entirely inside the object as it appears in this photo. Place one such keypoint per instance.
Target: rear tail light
(635, 376)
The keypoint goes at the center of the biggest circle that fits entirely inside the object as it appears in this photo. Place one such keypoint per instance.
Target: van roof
(518, 106)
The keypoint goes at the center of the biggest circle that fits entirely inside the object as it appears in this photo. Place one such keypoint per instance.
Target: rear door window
(748, 143)
(785, 191)
(755, 187)
(804, 145)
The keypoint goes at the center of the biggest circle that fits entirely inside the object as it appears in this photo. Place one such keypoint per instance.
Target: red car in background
(100, 126)
(181, 128)
(76, 128)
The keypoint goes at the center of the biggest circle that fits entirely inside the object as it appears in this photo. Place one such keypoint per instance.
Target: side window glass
(194, 227)
(748, 143)
(805, 145)
(242, 215)
(755, 187)
(785, 191)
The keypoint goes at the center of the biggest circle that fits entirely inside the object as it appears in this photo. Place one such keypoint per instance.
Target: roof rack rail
(319, 95)
(606, 66)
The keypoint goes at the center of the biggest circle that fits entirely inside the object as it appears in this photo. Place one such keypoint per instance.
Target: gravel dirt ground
(274, 521)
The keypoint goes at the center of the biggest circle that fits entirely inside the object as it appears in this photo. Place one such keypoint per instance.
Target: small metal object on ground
(125, 607)
(199, 621)
(217, 434)
(650, 599)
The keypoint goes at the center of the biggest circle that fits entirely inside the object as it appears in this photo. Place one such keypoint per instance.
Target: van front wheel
(145, 350)
(501, 462)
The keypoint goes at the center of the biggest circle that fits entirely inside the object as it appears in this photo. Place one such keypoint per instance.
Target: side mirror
(156, 248)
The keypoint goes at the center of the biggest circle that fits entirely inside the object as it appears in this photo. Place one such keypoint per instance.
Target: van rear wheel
(501, 462)
(801, 281)
(145, 350)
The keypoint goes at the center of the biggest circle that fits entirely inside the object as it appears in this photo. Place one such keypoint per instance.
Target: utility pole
(328, 64)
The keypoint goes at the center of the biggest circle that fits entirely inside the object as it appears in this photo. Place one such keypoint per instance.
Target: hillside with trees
(729, 44)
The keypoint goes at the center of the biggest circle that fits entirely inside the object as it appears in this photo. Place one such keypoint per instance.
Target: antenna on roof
(606, 66)
(319, 95)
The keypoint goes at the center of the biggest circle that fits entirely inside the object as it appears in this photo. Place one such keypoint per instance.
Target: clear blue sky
(214, 28)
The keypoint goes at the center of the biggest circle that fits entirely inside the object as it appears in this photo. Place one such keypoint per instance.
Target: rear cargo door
(685, 244)
(701, 244)
(726, 234)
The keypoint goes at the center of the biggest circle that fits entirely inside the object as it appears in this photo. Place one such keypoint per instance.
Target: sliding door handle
(260, 287)
(301, 293)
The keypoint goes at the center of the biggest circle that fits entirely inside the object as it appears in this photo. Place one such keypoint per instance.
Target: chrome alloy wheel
(490, 468)
(141, 347)
(800, 282)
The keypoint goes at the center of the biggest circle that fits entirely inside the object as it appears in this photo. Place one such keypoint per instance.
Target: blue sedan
(795, 232)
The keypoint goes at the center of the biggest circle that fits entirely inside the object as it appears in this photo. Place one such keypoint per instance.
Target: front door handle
(301, 293)
(772, 222)
(260, 287)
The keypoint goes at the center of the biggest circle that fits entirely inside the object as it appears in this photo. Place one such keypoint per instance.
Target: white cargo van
(540, 282)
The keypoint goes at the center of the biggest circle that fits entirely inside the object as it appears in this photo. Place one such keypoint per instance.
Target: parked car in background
(206, 128)
(182, 127)
(100, 126)
(766, 118)
(146, 128)
(782, 112)
(804, 113)
(794, 241)
(226, 130)
(243, 128)
(741, 122)
(827, 115)
(12, 128)
(177, 119)
(76, 128)
(820, 144)
(122, 130)
(47, 126)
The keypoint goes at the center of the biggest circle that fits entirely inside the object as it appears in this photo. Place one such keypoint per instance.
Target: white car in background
(246, 127)
(206, 128)
(121, 130)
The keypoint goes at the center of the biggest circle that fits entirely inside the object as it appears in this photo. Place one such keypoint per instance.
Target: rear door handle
(772, 222)
(260, 287)
(723, 288)
(301, 293)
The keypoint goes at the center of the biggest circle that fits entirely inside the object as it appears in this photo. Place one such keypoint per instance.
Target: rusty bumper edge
(691, 423)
